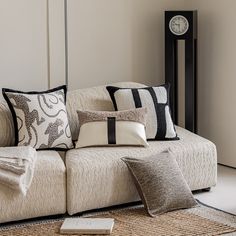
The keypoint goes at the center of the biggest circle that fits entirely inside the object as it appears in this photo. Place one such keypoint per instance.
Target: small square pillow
(40, 118)
(156, 99)
(160, 183)
(103, 128)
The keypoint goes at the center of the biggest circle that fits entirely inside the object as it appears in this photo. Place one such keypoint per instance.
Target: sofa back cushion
(7, 135)
(94, 99)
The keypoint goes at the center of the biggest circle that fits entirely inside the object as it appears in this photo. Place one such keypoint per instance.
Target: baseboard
(214, 207)
(227, 166)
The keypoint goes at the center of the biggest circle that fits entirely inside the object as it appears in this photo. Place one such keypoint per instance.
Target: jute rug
(201, 220)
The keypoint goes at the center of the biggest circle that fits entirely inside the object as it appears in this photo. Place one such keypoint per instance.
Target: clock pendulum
(182, 25)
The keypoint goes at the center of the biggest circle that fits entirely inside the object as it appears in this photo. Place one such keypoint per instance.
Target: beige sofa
(91, 178)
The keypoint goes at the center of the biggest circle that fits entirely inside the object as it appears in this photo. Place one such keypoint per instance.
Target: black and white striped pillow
(159, 122)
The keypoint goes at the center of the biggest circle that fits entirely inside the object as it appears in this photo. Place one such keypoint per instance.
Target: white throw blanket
(17, 167)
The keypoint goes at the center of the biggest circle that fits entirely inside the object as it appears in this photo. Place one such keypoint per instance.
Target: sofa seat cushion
(46, 195)
(97, 177)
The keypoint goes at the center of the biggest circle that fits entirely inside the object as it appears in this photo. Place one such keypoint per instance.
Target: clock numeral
(178, 25)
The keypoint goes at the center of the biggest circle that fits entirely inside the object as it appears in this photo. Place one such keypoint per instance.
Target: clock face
(178, 25)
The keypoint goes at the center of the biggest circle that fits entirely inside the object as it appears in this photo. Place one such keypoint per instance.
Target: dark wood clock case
(171, 67)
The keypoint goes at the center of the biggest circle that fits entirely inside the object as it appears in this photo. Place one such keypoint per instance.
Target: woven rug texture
(135, 221)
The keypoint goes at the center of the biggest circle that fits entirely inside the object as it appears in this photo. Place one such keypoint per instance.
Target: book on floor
(87, 226)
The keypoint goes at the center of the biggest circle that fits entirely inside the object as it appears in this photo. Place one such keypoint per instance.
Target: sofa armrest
(7, 137)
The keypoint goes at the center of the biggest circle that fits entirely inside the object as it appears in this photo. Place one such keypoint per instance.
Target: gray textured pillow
(160, 183)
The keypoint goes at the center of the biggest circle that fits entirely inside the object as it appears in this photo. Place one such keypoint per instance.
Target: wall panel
(23, 44)
(56, 36)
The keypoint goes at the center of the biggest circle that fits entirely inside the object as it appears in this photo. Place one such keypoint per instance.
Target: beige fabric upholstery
(46, 195)
(96, 99)
(96, 177)
(6, 126)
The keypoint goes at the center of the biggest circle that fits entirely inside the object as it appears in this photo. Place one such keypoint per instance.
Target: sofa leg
(202, 190)
(206, 189)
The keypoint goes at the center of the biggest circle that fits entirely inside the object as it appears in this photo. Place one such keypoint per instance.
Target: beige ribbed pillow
(160, 183)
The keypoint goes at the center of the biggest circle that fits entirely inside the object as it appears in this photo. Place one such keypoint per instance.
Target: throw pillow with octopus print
(40, 118)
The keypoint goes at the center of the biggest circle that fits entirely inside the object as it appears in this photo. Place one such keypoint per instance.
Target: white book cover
(87, 226)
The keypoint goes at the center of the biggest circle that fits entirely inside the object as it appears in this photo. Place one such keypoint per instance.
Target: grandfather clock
(182, 25)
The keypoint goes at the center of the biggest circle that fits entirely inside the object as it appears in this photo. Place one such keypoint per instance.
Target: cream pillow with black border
(103, 128)
(40, 118)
